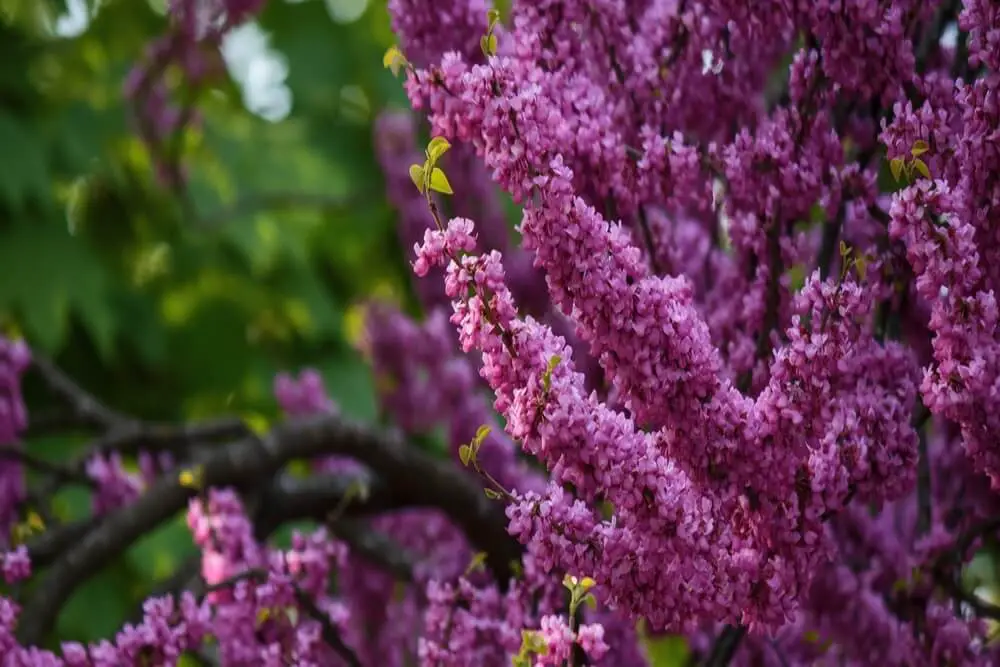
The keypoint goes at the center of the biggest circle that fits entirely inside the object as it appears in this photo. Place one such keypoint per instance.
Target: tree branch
(85, 407)
(314, 497)
(416, 480)
(725, 646)
(60, 473)
(374, 547)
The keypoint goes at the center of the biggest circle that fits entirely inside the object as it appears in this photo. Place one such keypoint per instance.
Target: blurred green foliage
(185, 307)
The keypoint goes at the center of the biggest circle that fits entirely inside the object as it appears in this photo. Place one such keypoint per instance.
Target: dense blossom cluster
(735, 375)
(14, 361)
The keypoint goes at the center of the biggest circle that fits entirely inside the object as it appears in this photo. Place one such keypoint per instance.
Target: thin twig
(725, 646)
(330, 634)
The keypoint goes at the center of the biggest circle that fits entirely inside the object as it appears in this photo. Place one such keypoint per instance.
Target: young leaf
(481, 433)
(436, 148)
(34, 521)
(861, 264)
(357, 489)
(492, 17)
(491, 494)
(919, 148)
(477, 562)
(439, 182)
(796, 277)
(921, 167)
(465, 454)
(393, 60)
(488, 43)
(896, 167)
(417, 176)
(547, 377)
(192, 478)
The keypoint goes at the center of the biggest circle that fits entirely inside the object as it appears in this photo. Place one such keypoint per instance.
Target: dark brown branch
(57, 540)
(924, 496)
(59, 473)
(331, 636)
(831, 234)
(85, 408)
(374, 547)
(414, 477)
(320, 497)
(725, 646)
(314, 497)
(153, 437)
(132, 435)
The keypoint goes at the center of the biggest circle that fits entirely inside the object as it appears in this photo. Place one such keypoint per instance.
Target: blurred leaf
(666, 651)
(98, 607)
(48, 275)
(158, 555)
(24, 174)
(351, 384)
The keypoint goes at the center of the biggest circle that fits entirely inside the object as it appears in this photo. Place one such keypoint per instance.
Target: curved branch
(415, 479)
(84, 406)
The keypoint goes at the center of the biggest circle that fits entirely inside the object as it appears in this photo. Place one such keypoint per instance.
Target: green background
(179, 308)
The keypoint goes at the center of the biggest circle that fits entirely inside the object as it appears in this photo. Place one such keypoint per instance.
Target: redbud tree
(736, 379)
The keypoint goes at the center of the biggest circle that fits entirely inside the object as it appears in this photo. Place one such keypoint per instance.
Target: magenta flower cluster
(734, 375)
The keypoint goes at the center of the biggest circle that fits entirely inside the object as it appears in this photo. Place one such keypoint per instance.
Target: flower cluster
(732, 376)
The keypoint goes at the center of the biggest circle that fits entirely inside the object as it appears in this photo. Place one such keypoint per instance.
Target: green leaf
(393, 60)
(437, 147)
(99, 605)
(921, 168)
(666, 651)
(488, 44)
(439, 182)
(491, 494)
(549, 369)
(919, 148)
(477, 562)
(417, 176)
(158, 554)
(481, 434)
(24, 169)
(465, 454)
(861, 264)
(796, 277)
(896, 166)
(51, 276)
(351, 383)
